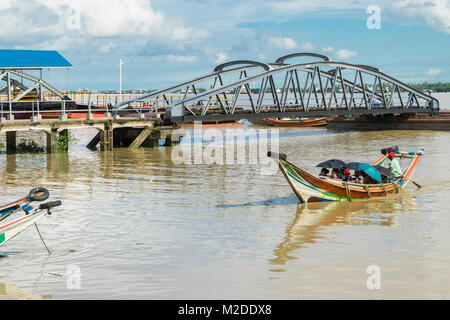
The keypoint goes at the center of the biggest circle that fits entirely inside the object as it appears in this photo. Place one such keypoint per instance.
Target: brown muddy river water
(135, 225)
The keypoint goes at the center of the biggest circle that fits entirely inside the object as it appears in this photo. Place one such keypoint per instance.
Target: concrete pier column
(152, 140)
(11, 142)
(107, 137)
(11, 164)
(168, 142)
(52, 135)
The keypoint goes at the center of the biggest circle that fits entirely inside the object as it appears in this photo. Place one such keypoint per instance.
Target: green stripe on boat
(295, 174)
(2, 237)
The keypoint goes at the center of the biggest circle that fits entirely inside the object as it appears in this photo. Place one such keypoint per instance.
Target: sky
(164, 42)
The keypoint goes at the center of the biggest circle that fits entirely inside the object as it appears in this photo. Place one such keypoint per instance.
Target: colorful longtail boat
(10, 227)
(310, 188)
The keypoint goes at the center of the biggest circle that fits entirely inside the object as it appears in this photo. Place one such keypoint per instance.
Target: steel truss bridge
(247, 89)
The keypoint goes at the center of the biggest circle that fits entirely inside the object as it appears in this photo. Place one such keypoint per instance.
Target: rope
(42, 238)
(384, 189)
(348, 192)
(368, 190)
(395, 186)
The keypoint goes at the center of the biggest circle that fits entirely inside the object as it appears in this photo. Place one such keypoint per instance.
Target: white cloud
(174, 58)
(221, 57)
(434, 72)
(57, 43)
(282, 43)
(54, 21)
(346, 54)
(328, 49)
(183, 59)
(295, 6)
(262, 56)
(307, 46)
(155, 30)
(341, 53)
(109, 18)
(435, 13)
(107, 47)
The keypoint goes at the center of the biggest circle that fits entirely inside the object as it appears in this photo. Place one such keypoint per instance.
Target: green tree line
(434, 87)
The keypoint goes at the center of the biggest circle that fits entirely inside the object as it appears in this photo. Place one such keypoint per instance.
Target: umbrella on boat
(332, 163)
(367, 168)
(385, 171)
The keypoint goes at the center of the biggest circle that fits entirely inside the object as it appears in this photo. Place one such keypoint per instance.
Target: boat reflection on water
(311, 218)
(13, 292)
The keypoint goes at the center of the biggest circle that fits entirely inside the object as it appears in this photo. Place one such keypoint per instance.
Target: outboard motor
(390, 149)
(275, 155)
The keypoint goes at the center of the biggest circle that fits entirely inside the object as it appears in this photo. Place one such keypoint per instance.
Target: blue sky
(165, 42)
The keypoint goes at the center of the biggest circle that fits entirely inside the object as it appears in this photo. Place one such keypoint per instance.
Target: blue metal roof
(22, 59)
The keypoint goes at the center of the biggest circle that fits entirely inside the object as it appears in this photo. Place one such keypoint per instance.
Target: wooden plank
(94, 142)
(140, 138)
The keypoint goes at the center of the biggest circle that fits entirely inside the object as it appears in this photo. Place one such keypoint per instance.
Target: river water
(444, 99)
(135, 225)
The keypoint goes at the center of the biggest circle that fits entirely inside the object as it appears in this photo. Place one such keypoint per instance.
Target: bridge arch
(281, 60)
(222, 66)
(215, 78)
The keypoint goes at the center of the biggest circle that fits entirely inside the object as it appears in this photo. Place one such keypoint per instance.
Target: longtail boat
(296, 122)
(310, 188)
(12, 223)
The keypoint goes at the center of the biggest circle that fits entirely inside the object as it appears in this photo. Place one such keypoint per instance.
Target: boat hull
(211, 122)
(297, 123)
(258, 121)
(10, 229)
(310, 188)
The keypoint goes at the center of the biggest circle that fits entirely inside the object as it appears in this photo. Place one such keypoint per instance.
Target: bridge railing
(65, 110)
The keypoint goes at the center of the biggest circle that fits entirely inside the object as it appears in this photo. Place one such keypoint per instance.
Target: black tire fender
(38, 194)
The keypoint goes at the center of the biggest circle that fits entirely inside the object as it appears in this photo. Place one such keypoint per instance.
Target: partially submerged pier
(128, 132)
(27, 102)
